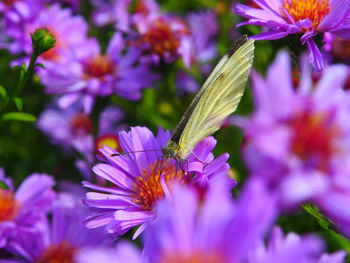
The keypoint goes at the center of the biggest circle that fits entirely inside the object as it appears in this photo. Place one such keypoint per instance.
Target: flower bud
(42, 40)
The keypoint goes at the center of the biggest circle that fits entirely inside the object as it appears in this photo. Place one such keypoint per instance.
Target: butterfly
(218, 97)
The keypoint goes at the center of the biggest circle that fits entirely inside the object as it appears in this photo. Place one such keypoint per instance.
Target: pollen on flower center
(148, 188)
(315, 10)
(161, 38)
(109, 140)
(62, 253)
(99, 66)
(8, 205)
(313, 139)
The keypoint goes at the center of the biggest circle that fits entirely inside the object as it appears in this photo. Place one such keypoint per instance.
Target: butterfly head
(170, 150)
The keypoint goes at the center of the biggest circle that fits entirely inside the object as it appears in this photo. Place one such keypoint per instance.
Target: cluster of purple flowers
(296, 148)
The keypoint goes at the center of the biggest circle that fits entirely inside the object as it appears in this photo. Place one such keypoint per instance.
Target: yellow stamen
(315, 10)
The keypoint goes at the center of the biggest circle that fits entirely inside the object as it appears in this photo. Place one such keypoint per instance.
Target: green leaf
(3, 92)
(40, 65)
(18, 116)
(18, 102)
(322, 221)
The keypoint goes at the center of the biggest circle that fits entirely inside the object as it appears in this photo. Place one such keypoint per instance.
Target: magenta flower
(141, 179)
(298, 137)
(96, 74)
(25, 208)
(213, 229)
(306, 17)
(63, 238)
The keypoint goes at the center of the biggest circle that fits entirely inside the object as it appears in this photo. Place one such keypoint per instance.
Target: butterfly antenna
(123, 153)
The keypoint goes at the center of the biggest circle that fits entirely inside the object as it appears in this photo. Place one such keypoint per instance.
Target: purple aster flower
(24, 208)
(213, 229)
(163, 38)
(308, 18)
(298, 137)
(17, 8)
(204, 27)
(140, 179)
(123, 252)
(96, 74)
(61, 239)
(72, 129)
(70, 32)
(292, 248)
(117, 12)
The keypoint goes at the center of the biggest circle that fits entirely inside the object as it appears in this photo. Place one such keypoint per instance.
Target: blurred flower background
(83, 80)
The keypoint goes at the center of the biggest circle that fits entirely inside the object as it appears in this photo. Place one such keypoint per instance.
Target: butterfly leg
(200, 160)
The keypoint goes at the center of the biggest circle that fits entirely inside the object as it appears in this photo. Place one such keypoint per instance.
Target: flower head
(25, 208)
(74, 131)
(298, 137)
(141, 179)
(63, 238)
(292, 248)
(69, 31)
(211, 229)
(94, 74)
(42, 40)
(305, 17)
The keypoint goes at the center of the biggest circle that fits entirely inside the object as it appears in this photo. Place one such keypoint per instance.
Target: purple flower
(62, 238)
(308, 18)
(96, 74)
(140, 179)
(117, 12)
(70, 32)
(123, 252)
(204, 27)
(73, 130)
(292, 248)
(70, 128)
(298, 137)
(213, 229)
(164, 38)
(25, 208)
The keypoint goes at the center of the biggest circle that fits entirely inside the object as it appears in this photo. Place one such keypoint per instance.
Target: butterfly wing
(218, 98)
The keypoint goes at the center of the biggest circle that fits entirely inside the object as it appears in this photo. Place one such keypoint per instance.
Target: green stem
(27, 75)
(23, 81)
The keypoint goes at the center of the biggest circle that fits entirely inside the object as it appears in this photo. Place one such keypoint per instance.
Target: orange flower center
(161, 38)
(313, 139)
(109, 140)
(315, 10)
(99, 66)
(204, 257)
(81, 123)
(141, 8)
(8, 205)
(148, 187)
(61, 253)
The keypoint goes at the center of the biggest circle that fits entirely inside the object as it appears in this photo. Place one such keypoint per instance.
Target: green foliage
(18, 116)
